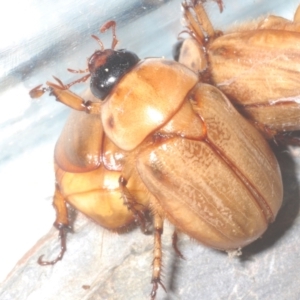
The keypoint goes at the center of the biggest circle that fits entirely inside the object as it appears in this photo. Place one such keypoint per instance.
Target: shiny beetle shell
(256, 66)
(162, 141)
(211, 186)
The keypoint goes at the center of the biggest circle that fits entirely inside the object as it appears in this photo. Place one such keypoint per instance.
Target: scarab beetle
(255, 65)
(154, 138)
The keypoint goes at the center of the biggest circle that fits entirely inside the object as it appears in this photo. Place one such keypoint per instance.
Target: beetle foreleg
(72, 100)
(61, 223)
(37, 92)
(132, 204)
(157, 253)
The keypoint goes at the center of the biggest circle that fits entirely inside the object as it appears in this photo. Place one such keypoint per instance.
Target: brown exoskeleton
(256, 66)
(156, 139)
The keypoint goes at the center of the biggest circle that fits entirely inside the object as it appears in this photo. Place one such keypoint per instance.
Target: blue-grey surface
(44, 38)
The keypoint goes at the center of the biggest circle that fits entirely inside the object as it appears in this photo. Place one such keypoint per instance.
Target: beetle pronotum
(192, 119)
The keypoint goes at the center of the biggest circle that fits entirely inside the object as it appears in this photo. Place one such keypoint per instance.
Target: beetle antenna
(99, 42)
(110, 24)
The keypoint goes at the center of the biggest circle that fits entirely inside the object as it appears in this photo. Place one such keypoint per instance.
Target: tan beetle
(154, 138)
(255, 65)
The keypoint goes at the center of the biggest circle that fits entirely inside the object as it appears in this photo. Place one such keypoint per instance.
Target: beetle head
(107, 66)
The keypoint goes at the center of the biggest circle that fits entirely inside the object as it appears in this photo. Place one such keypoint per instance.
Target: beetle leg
(193, 53)
(287, 138)
(78, 71)
(72, 100)
(174, 244)
(61, 223)
(203, 19)
(60, 206)
(219, 2)
(67, 86)
(65, 96)
(63, 248)
(198, 20)
(157, 260)
(192, 23)
(132, 204)
(37, 92)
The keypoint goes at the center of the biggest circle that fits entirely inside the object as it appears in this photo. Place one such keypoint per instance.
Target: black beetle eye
(107, 68)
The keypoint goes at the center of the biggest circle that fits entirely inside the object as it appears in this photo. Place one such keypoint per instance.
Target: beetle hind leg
(61, 223)
(63, 248)
(157, 253)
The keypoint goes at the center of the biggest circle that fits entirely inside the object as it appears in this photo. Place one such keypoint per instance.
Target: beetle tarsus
(63, 86)
(286, 139)
(155, 284)
(198, 23)
(157, 253)
(37, 92)
(63, 248)
(78, 71)
(219, 2)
